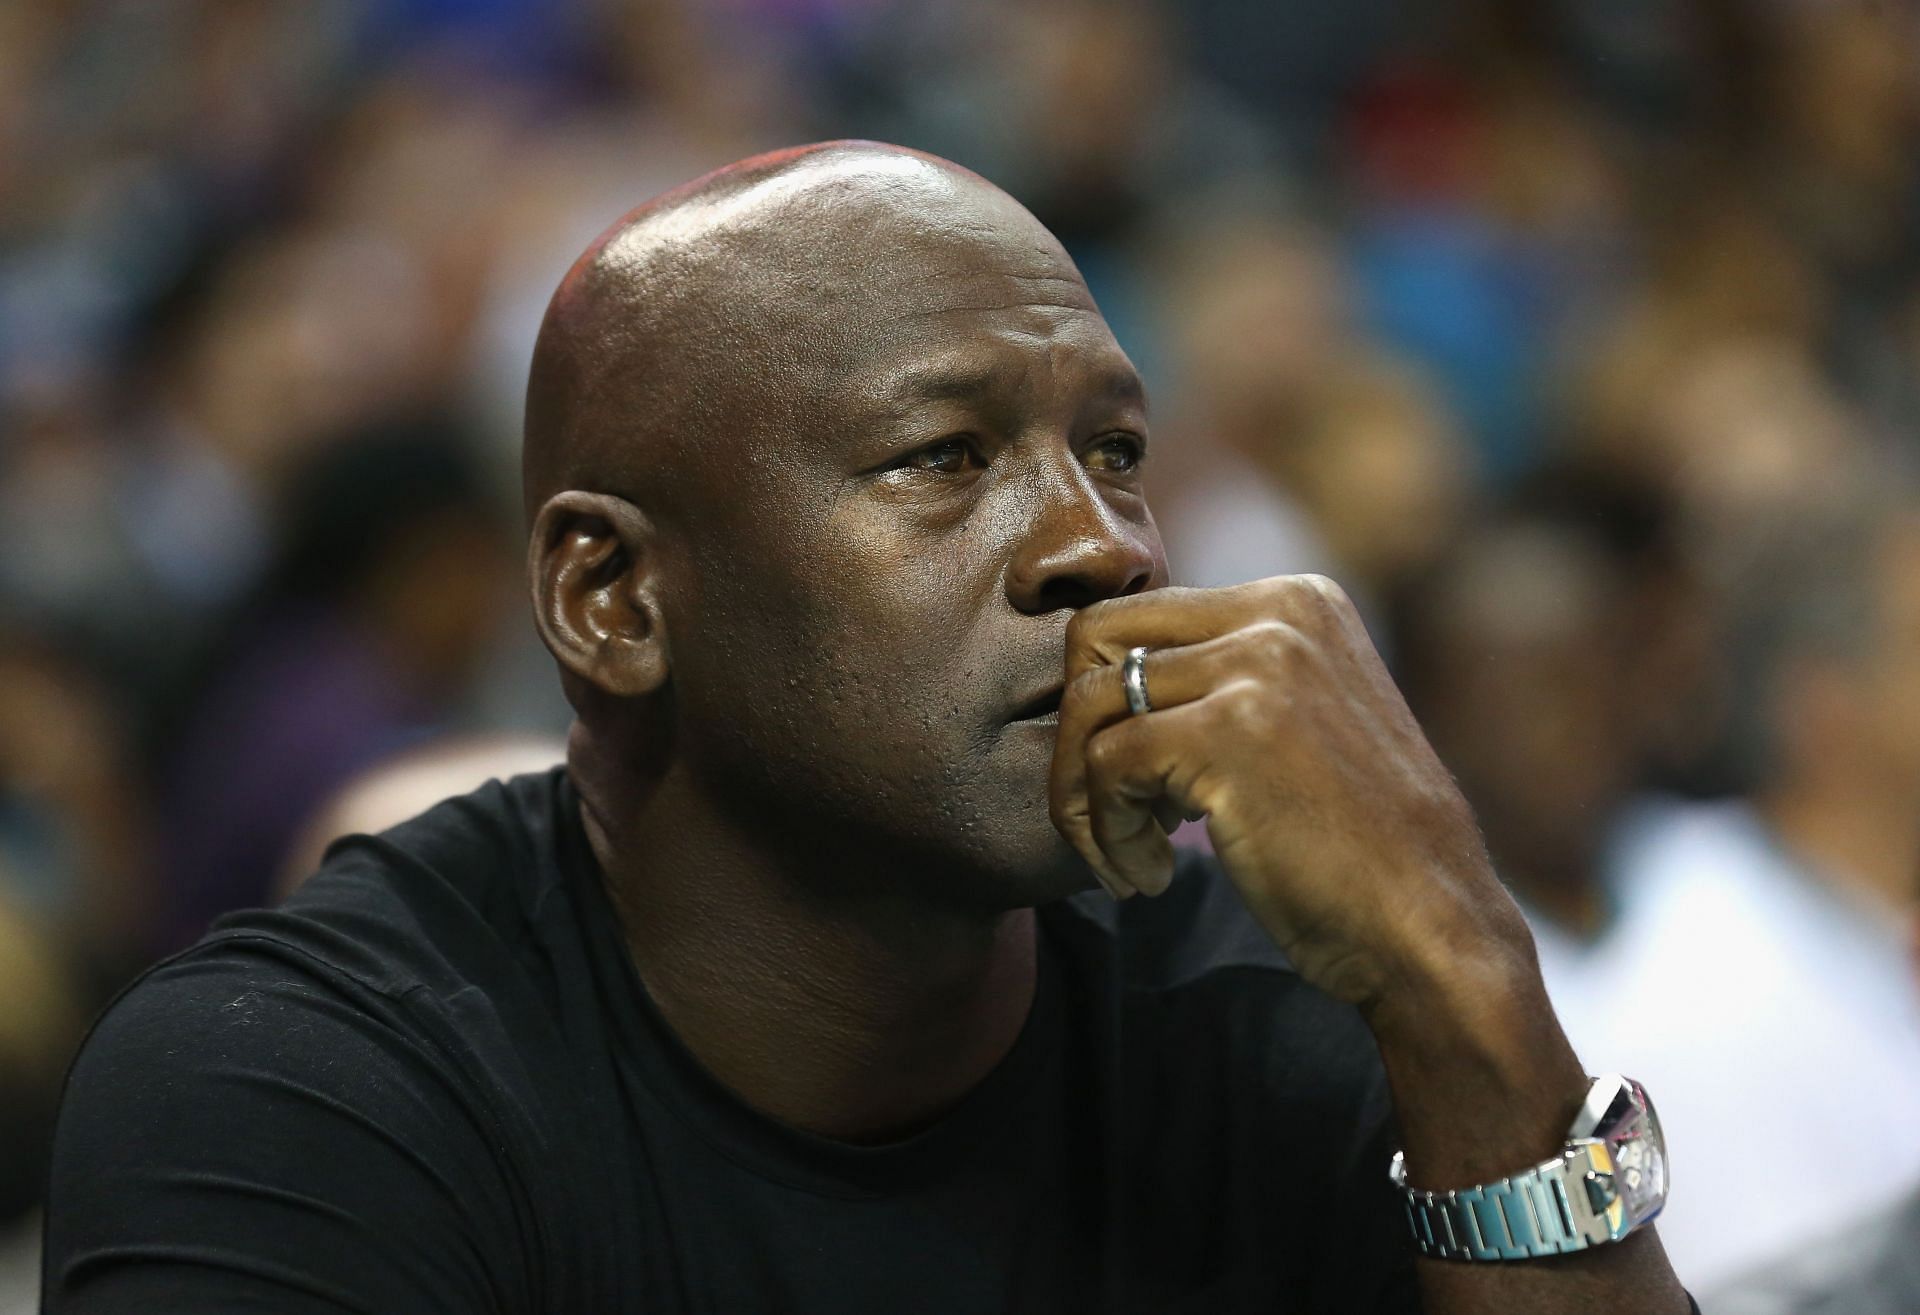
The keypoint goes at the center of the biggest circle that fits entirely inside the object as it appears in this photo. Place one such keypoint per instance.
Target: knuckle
(1248, 707)
(1103, 754)
(1273, 642)
(1325, 592)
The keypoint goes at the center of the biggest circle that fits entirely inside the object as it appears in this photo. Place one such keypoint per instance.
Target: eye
(950, 456)
(1120, 453)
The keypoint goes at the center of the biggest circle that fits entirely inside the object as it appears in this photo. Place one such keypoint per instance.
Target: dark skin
(839, 535)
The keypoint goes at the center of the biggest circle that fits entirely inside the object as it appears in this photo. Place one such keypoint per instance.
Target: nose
(1079, 548)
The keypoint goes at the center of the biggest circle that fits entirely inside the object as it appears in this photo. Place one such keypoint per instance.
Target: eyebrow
(950, 383)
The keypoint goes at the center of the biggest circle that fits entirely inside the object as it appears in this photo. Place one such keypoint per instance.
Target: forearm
(1485, 1084)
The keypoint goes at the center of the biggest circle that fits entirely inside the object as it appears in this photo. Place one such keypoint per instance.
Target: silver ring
(1133, 676)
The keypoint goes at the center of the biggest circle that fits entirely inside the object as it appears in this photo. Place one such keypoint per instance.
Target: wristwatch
(1610, 1179)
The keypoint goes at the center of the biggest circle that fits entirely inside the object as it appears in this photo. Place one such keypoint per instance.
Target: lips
(1044, 705)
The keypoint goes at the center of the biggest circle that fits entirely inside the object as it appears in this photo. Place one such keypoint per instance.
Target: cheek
(853, 696)
(844, 660)
(907, 591)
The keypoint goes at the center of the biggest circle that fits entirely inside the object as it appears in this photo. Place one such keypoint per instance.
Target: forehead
(1009, 355)
(945, 246)
(973, 315)
(801, 303)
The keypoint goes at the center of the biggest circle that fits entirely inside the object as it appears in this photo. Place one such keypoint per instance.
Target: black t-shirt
(432, 1081)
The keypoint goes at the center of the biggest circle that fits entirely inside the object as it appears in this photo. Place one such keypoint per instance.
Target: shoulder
(186, 1145)
(400, 1011)
(437, 902)
(390, 931)
(426, 952)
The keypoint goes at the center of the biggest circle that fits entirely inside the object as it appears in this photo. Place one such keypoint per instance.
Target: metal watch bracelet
(1557, 1206)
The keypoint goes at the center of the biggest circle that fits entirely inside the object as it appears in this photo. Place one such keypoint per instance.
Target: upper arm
(239, 1134)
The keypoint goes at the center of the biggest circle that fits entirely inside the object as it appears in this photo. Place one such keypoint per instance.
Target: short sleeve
(240, 1132)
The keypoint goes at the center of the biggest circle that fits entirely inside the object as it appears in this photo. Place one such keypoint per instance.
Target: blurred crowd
(1579, 339)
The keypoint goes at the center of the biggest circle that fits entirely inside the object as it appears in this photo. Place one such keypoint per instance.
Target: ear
(593, 566)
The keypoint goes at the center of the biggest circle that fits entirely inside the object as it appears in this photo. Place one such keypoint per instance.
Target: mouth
(1042, 709)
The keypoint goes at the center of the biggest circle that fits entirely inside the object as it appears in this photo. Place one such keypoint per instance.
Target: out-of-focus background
(1580, 339)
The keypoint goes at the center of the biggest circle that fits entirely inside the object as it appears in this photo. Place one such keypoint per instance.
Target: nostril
(1069, 593)
(1066, 568)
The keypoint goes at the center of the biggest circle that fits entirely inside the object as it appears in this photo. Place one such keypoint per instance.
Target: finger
(1079, 831)
(1169, 815)
(1100, 634)
(1087, 705)
(1172, 675)
(1097, 699)
(1132, 766)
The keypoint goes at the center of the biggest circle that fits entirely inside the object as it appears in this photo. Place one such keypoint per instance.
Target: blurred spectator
(1723, 289)
(1088, 110)
(1306, 449)
(301, 335)
(1489, 225)
(1832, 650)
(41, 1016)
(393, 577)
(1754, 966)
(74, 558)
(75, 835)
(1663, 627)
(136, 134)
(1513, 656)
(1868, 1266)
(1845, 177)
(1380, 468)
(76, 907)
(1747, 438)
(1255, 312)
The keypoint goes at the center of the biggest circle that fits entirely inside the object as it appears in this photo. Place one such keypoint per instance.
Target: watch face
(1630, 1130)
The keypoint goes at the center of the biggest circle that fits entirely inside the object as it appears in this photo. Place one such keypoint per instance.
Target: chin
(1020, 876)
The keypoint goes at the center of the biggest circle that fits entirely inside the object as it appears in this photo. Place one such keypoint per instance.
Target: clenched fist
(1275, 718)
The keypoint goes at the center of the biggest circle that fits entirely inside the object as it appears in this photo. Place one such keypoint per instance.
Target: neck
(1852, 830)
(860, 1018)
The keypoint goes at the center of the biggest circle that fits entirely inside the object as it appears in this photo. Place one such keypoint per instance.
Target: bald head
(711, 316)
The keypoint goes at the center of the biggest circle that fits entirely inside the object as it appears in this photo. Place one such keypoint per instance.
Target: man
(1512, 654)
(1759, 945)
(791, 992)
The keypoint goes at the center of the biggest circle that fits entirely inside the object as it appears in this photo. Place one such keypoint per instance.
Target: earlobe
(592, 565)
